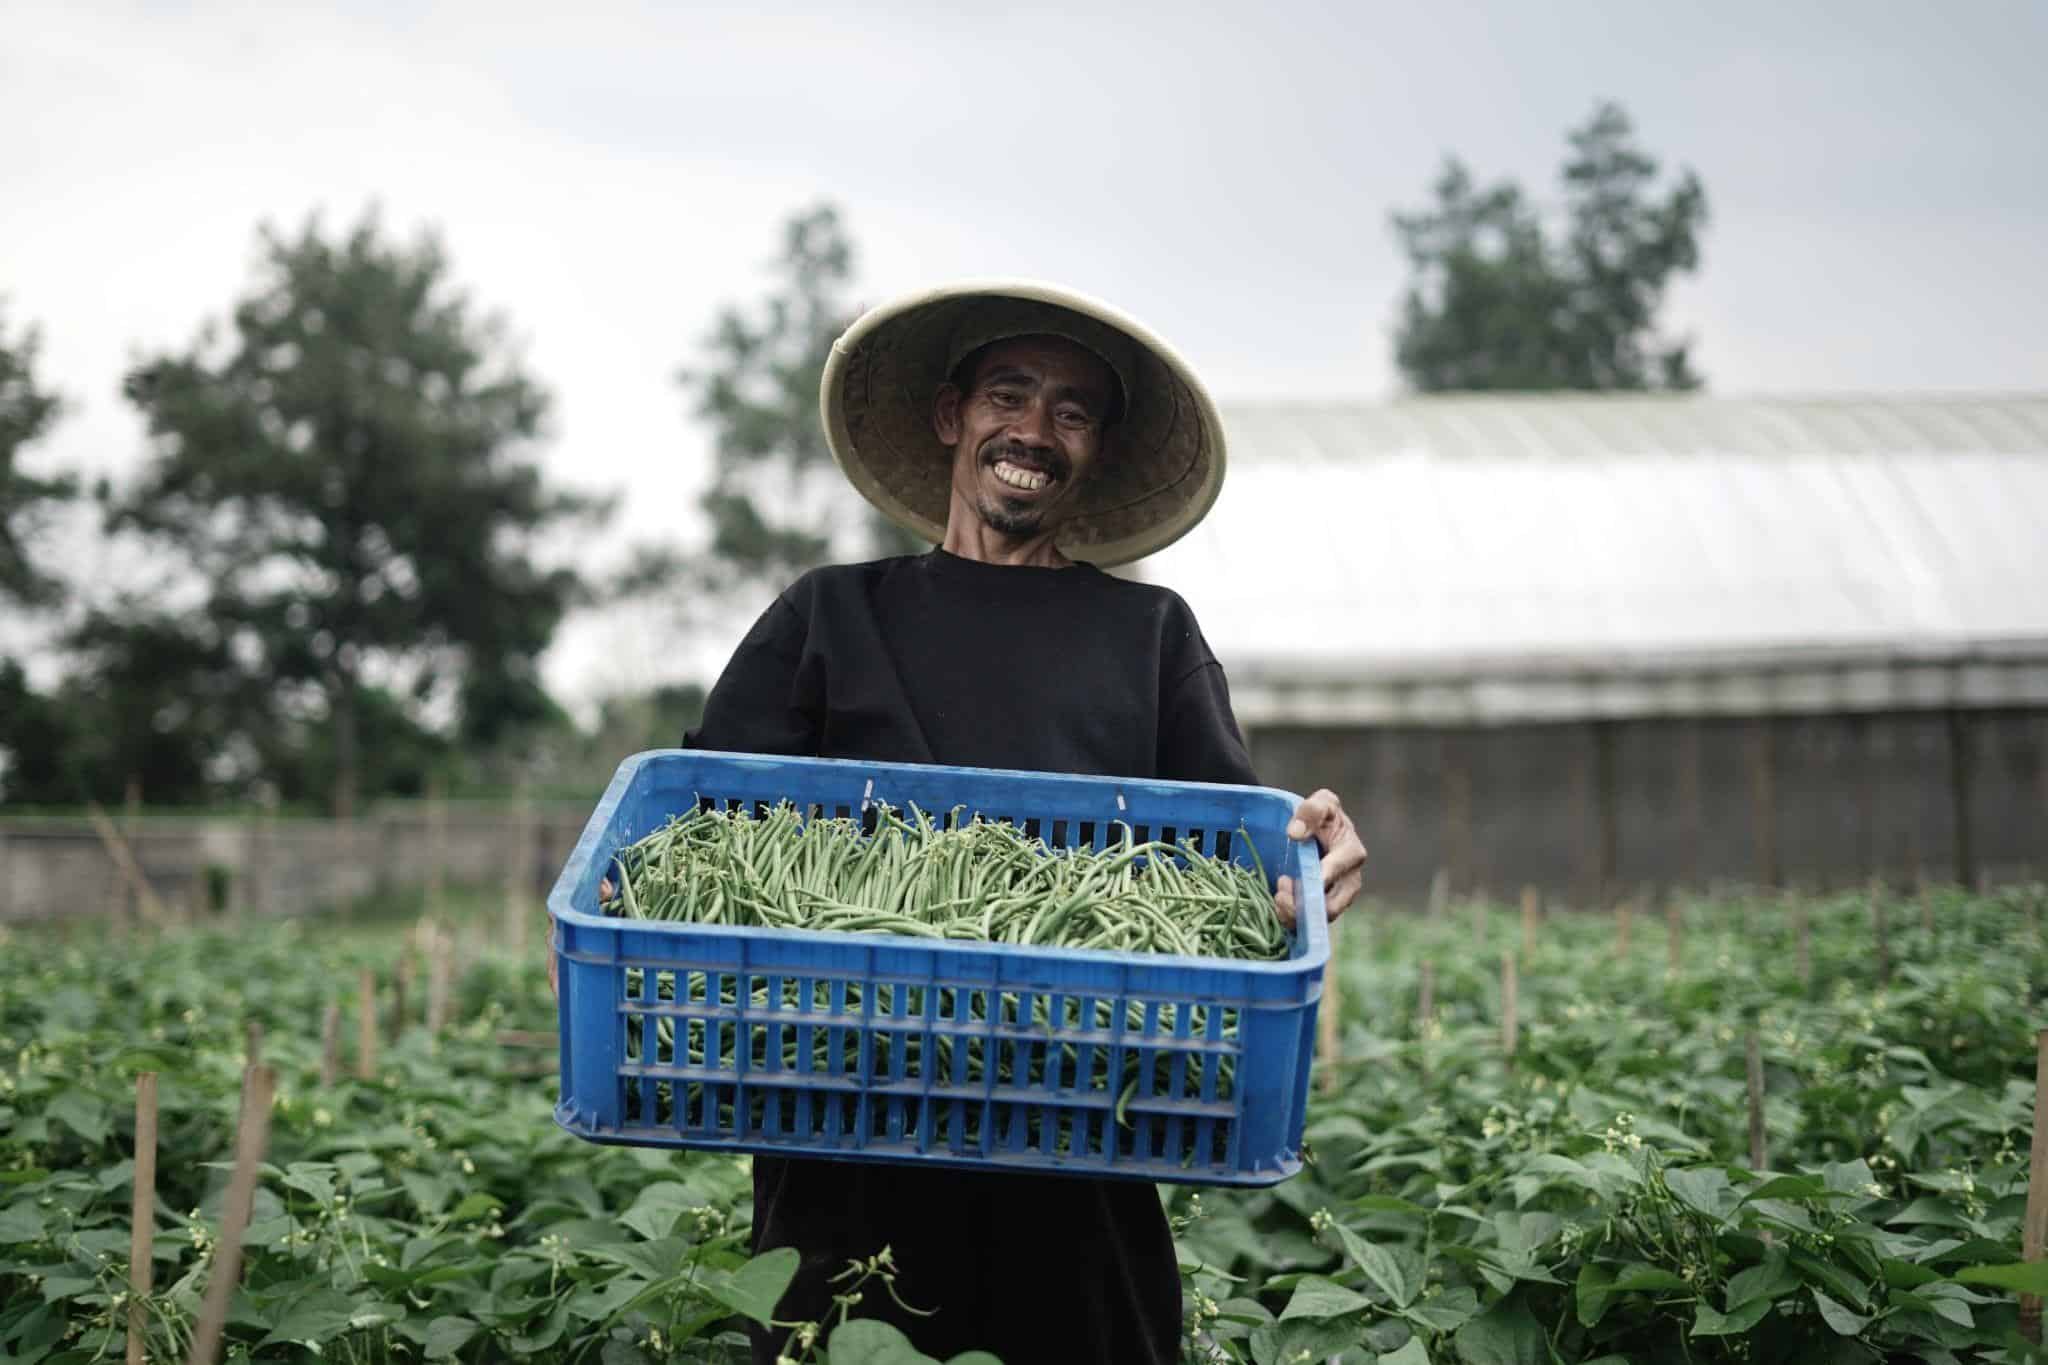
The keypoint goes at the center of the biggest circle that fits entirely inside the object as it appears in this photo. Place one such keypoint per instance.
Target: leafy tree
(776, 501)
(1497, 304)
(347, 471)
(27, 412)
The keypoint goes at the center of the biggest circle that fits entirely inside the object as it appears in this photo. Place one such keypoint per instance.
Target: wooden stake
(124, 863)
(1425, 997)
(1532, 906)
(440, 970)
(1329, 1027)
(1674, 936)
(1926, 913)
(519, 871)
(251, 1139)
(1805, 937)
(142, 1216)
(366, 1026)
(2034, 1230)
(330, 1045)
(1624, 926)
(401, 982)
(1880, 927)
(252, 1043)
(1756, 1104)
(1439, 892)
(1509, 1025)
(437, 853)
(1478, 919)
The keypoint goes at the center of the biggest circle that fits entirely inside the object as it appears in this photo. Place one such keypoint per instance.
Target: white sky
(608, 180)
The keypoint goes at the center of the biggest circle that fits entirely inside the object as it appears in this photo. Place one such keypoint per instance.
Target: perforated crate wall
(863, 1047)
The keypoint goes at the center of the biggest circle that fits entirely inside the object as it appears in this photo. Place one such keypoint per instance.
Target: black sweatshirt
(938, 659)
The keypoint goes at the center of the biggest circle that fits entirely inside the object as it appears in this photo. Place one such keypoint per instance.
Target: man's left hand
(1322, 818)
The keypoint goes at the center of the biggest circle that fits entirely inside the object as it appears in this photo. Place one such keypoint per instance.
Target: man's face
(1025, 430)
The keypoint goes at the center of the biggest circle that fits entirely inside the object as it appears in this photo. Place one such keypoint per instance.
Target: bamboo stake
(1880, 926)
(1674, 936)
(2034, 1231)
(439, 972)
(437, 853)
(1509, 1024)
(251, 1139)
(1756, 1104)
(1329, 1027)
(330, 1044)
(142, 1216)
(1624, 926)
(1439, 892)
(366, 1027)
(1805, 938)
(124, 863)
(1532, 905)
(1478, 919)
(1425, 999)
(519, 871)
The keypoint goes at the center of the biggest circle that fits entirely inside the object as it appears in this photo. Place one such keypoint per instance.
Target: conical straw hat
(1162, 462)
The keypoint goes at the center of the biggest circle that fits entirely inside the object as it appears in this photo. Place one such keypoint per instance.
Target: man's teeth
(1030, 480)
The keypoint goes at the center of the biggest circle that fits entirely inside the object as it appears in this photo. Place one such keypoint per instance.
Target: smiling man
(1032, 435)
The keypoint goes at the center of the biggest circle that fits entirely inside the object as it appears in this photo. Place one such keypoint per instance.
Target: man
(1032, 434)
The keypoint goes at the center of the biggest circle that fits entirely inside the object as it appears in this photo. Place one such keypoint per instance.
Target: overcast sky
(607, 178)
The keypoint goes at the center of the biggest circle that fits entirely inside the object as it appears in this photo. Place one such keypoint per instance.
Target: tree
(777, 503)
(348, 474)
(1496, 304)
(27, 412)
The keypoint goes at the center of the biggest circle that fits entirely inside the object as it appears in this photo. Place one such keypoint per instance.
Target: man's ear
(946, 415)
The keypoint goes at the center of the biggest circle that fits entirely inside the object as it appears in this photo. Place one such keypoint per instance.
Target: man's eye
(1004, 398)
(1077, 418)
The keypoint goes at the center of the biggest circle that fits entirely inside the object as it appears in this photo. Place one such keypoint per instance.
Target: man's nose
(1033, 424)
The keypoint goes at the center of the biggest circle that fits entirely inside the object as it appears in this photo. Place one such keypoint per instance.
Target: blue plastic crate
(673, 1034)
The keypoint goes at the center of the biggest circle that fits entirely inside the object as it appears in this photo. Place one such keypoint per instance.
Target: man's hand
(1322, 817)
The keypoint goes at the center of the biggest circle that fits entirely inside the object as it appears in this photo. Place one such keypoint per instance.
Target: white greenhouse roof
(1490, 559)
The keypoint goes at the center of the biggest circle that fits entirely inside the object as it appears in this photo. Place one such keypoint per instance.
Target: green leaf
(447, 1335)
(1709, 1323)
(1319, 1298)
(82, 1112)
(20, 1222)
(1445, 1312)
(474, 1206)
(1831, 1278)
(316, 1318)
(1379, 1266)
(655, 1260)
(1772, 1280)
(1836, 1316)
(864, 1341)
(655, 1210)
(1503, 1335)
(1702, 1189)
(1411, 1354)
(2021, 1277)
(755, 1288)
(974, 1358)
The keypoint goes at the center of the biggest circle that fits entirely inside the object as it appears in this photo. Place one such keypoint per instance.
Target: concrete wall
(1588, 812)
(1591, 811)
(54, 867)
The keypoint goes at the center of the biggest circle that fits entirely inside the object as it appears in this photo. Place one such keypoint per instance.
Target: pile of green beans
(982, 881)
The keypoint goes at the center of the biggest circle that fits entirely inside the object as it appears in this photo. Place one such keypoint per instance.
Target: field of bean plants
(1580, 1188)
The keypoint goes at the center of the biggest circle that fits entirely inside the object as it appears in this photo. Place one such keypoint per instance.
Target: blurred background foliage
(357, 563)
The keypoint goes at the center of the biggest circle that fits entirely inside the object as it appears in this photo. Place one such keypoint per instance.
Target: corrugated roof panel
(1490, 538)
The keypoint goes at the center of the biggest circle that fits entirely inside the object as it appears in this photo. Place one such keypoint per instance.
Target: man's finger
(1283, 901)
(1315, 814)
